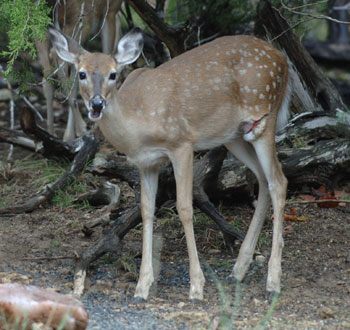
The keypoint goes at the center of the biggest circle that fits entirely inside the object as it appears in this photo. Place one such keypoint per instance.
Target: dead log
(38, 140)
(16, 138)
(47, 144)
(109, 242)
(313, 150)
(106, 194)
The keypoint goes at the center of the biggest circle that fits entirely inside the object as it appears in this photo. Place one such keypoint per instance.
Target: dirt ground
(39, 248)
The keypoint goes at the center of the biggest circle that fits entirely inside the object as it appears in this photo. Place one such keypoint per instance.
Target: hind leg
(277, 184)
(246, 153)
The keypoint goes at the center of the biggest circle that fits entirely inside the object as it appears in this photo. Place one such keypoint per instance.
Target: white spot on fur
(261, 96)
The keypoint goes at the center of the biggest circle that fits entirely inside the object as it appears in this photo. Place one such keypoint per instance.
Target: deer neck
(115, 127)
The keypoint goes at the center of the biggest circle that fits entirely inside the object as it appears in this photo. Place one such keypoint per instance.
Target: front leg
(182, 160)
(149, 183)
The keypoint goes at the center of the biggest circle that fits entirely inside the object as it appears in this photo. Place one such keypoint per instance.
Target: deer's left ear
(130, 47)
(67, 48)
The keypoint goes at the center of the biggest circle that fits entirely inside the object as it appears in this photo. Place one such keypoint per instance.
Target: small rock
(214, 251)
(326, 313)
(14, 277)
(65, 271)
(33, 98)
(257, 302)
(31, 304)
(260, 258)
(181, 304)
(5, 94)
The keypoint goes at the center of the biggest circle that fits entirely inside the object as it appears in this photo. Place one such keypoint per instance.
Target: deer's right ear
(67, 48)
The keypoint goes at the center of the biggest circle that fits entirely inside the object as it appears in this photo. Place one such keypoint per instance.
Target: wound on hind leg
(252, 129)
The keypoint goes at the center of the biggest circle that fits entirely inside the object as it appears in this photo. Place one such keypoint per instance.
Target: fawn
(231, 91)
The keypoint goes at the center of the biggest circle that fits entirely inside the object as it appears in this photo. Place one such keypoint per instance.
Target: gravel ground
(315, 280)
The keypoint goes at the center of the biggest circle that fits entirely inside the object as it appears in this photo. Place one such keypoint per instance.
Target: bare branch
(312, 16)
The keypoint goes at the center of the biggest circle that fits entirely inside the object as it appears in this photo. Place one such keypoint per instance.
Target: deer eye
(112, 76)
(82, 75)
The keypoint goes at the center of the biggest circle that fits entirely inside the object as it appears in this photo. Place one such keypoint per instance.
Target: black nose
(97, 103)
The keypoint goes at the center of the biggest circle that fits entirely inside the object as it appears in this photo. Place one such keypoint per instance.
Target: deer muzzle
(96, 105)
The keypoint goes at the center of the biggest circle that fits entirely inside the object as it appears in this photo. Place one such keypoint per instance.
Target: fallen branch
(51, 145)
(318, 201)
(109, 242)
(16, 138)
(86, 152)
(47, 258)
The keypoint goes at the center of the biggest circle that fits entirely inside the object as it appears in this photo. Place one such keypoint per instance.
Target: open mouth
(95, 114)
(96, 105)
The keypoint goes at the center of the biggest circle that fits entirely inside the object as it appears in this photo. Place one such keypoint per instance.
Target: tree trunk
(270, 22)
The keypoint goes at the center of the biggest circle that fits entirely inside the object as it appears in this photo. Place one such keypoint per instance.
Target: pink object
(27, 304)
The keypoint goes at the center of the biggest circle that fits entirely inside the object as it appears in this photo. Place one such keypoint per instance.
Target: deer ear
(67, 48)
(130, 47)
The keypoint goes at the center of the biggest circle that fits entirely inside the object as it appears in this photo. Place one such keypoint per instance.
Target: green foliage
(299, 141)
(127, 262)
(209, 17)
(221, 13)
(48, 171)
(24, 22)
